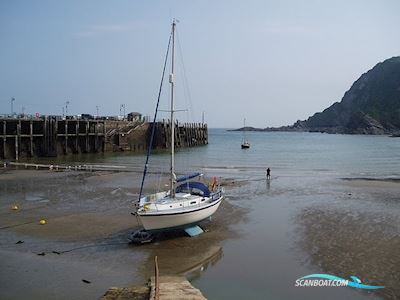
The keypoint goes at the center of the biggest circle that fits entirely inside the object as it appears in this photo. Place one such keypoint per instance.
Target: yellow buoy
(14, 207)
(42, 222)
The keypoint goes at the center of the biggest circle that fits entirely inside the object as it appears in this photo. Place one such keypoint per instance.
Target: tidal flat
(360, 236)
(265, 235)
(85, 237)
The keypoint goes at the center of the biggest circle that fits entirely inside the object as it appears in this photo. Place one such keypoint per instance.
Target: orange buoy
(42, 222)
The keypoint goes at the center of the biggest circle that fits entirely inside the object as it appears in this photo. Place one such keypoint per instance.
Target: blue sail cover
(194, 185)
(187, 177)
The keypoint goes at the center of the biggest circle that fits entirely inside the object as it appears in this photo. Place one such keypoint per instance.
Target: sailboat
(245, 142)
(187, 202)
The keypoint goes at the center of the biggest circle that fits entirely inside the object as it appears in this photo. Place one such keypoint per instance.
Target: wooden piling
(156, 278)
(87, 137)
(66, 136)
(50, 136)
(4, 138)
(31, 137)
(17, 137)
(77, 136)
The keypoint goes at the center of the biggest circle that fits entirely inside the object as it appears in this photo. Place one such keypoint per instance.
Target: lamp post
(12, 105)
(66, 108)
(97, 111)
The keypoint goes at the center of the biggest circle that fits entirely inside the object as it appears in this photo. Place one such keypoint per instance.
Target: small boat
(245, 142)
(245, 145)
(187, 202)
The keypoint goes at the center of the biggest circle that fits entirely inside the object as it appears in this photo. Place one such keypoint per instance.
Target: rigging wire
(186, 90)
(188, 101)
(155, 118)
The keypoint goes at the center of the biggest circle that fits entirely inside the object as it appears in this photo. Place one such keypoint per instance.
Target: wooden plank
(175, 288)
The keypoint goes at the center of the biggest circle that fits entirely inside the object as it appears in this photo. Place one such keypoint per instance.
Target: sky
(271, 62)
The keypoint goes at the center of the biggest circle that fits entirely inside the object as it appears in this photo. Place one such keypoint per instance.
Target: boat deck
(181, 202)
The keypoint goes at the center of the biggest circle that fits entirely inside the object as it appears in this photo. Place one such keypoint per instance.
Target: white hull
(164, 220)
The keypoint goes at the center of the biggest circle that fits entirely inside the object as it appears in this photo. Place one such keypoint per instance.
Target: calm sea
(286, 153)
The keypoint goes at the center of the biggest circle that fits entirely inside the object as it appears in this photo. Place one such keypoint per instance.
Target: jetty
(52, 136)
(170, 288)
(158, 288)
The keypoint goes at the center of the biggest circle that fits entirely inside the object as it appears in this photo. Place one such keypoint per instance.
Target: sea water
(286, 153)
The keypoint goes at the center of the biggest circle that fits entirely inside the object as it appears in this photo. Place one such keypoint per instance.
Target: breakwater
(50, 136)
(186, 134)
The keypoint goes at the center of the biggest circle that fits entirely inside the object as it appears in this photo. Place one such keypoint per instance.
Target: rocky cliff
(370, 106)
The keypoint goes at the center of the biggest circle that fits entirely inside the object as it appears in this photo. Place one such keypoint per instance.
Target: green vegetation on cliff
(370, 106)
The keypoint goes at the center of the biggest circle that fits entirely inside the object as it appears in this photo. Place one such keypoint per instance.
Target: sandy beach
(86, 236)
(340, 226)
(360, 236)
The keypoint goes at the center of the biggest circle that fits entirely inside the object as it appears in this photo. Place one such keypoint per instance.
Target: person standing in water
(268, 173)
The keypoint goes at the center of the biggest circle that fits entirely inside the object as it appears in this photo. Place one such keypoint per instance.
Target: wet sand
(340, 226)
(85, 238)
(360, 236)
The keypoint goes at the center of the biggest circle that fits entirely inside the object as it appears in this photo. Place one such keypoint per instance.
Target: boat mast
(171, 80)
(244, 130)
